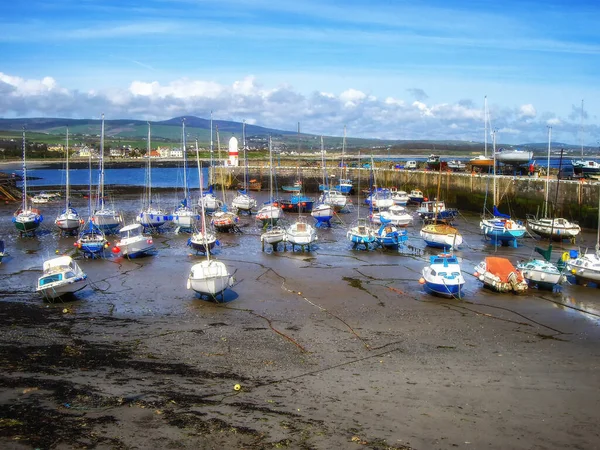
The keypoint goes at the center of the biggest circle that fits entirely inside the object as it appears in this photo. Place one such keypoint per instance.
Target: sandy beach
(330, 349)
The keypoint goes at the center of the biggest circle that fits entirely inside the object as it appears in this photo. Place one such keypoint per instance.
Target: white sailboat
(555, 228)
(68, 220)
(272, 234)
(91, 240)
(133, 243)
(61, 277)
(500, 228)
(586, 267)
(106, 219)
(150, 216)
(243, 201)
(332, 197)
(483, 162)
(323, 212)
(361, 233)
(209, 200)
(26, 219)
(224, 220)
(345, 184)
(184, 216)
(202, 240)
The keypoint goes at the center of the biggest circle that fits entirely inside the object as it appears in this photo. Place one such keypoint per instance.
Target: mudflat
(335, 348)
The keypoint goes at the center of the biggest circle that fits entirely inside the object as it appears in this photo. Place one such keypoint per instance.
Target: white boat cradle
(396, 215)
(132, 242)
(301, 234)
(500, 275)
(443, 276)
(209, 278)
(62, 276)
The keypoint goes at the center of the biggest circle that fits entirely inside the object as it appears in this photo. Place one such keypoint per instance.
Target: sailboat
(106, 219)
(323, 212)
(184, 216)
(345, 184)
(243, 201)
(329, 196)
(224, 220)
(202, 240)
(68, 220)
(586, 267)
(61, 277)
(483, 162)
(91, 240)
(379, 198)
(555, 228)
(271, 212)
(150, 216)
(26, 219)
(585, 168)
(443, 276)
(300, 233)
(273, 234)
(361, 233)
(440, 235)
(500, 228)
(209, 200)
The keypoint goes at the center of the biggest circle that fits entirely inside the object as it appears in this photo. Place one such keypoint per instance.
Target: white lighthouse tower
(233, 152)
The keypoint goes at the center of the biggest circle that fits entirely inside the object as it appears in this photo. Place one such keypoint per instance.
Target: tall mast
(67, 176)
(24, 176)
(323, 163)
(245, 156)
(149, 175)
(494, 148)
(581, 130)
(343, 153)
(547, 173)
(210, 175)
(101, 199)
(185, 186)
(270, 172)
(485, 121)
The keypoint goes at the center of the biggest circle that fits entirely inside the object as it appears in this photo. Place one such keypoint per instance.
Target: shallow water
(155, 285)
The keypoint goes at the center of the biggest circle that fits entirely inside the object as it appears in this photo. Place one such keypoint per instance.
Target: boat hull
(209, 278)
(152, 218)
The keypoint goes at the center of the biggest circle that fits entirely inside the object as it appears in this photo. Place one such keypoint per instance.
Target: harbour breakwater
(468, 191)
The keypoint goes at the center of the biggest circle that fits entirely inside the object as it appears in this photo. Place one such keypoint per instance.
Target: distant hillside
(134, 132)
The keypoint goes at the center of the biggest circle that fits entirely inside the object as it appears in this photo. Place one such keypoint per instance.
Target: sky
(388, 69)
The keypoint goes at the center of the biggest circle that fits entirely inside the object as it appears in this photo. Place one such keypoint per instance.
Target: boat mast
(67, 176)
(547, 173)
(246, 187)
(210, 175)
(343, 154)
(149, 174)
(185, 186)
(101, 199)
(200, 180)
(485, 122)
(24, 208)
(323, 165)
(494, 178)
(581, 130)
(270, 173)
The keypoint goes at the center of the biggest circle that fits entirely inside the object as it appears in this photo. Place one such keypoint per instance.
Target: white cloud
(527, 111)
(282, 107)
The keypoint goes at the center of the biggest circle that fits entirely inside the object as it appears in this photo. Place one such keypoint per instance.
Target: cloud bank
(282, 107)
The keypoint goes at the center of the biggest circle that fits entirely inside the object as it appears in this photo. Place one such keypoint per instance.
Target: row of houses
(125, 152)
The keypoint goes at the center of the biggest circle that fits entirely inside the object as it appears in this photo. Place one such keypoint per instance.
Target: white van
(410, 165)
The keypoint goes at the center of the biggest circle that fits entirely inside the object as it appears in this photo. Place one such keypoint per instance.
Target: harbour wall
(517, 195)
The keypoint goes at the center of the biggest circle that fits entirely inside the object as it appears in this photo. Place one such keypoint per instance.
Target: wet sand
(333, 348)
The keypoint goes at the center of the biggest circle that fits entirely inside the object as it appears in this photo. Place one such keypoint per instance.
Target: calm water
(156, 284)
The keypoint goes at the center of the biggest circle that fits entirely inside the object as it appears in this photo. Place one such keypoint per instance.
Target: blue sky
(387, 69)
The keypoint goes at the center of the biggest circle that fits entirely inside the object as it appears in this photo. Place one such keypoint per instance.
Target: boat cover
(502, 268)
